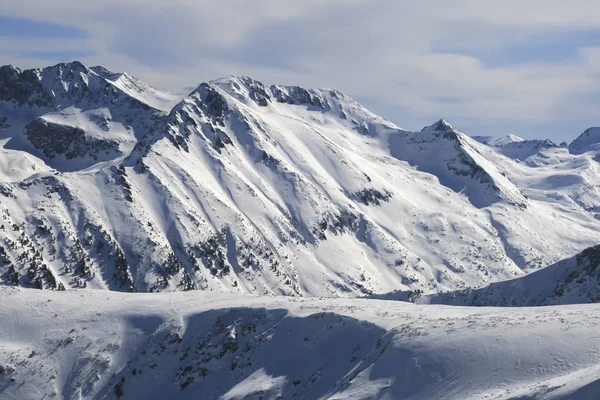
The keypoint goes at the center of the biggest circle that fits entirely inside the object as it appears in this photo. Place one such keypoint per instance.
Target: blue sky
(491, 68)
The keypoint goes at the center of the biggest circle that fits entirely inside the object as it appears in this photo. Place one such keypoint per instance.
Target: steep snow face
(161, 100)
(245, 187)
(91, 345)
(589, 140)
(310, 191)
(570, 281)
(457, 161)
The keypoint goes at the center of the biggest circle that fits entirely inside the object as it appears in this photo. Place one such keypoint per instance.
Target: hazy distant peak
(588, 140)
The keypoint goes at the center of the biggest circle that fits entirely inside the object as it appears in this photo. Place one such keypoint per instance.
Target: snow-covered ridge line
(67, 82)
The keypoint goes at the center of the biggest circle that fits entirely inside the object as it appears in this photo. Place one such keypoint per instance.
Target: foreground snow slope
(96, 345)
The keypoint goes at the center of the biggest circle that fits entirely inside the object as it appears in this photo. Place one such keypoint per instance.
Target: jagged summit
(8, 73)
(459, 162)
(58, 86)
(73, 117)
(68, 84)
(263, 95)
(256, 94)
(439, 126)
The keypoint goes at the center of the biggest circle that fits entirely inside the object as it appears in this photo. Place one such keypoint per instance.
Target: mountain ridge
(270, 189)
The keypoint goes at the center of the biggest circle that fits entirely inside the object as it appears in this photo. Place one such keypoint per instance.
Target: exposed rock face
(54, 139)
(23, 87)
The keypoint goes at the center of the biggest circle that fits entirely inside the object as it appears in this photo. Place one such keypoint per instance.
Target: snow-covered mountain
(239, 186)
(72, 117)
(587, 141)
(515, 147)
(458, 162)
(289, 204)
(499, 141)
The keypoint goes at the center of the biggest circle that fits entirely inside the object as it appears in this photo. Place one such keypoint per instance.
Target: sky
(529, 68)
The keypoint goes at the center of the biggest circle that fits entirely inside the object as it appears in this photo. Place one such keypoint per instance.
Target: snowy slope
(245, 187)
(589, 140)
(504, 140)
(571, 281)
(515, 147)
(525, 149)
(161, 100)
(458, 162)
(99, 345)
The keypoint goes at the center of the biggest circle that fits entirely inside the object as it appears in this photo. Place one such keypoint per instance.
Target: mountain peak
(106, 73)
(439, 126)
(9, 68)
(73, 66)
(230, 79)
(588, 140)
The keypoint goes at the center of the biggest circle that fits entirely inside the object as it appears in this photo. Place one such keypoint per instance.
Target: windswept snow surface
(102, 345)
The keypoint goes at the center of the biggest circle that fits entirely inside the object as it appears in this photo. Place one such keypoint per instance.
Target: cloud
(525, 66)
(21, 27)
